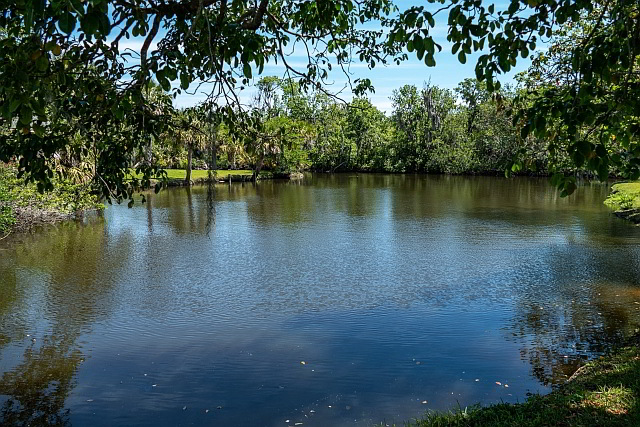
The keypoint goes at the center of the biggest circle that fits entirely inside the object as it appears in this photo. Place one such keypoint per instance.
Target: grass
(625, 195)
(202, 174)
(198, 174)
(605, 392)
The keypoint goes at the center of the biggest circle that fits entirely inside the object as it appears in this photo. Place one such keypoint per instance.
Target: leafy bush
(15, 196)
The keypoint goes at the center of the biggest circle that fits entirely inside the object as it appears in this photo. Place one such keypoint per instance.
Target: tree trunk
(187, 179)
(258, 166)
(214, 156)
(149, 152)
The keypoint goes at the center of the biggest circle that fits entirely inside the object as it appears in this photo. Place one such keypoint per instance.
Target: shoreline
(604, 392)
(23, 208)
(624, 199)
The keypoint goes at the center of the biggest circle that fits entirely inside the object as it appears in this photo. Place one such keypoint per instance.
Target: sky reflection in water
(394, 290)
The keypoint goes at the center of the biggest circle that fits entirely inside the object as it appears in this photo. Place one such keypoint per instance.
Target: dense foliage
(72, 98)
(23, 206)
(64, 77)
(429, 130)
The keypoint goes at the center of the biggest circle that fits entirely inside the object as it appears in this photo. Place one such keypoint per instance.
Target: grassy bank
(23, 207)
(204, 174)
(200, 176)
(176, 176)
(604, 392)
(625, 195)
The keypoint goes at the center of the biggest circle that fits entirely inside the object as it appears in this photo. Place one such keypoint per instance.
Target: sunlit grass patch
(605, 392)
(614, 400)
(202, 174)
(625, 195)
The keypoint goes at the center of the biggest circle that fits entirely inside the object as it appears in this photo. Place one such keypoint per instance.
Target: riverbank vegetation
(23, 206)
(604, 392)
(429, 130)
(625, 200)
(624, 195)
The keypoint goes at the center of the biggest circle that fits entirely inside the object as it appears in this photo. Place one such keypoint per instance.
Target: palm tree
(190, 134)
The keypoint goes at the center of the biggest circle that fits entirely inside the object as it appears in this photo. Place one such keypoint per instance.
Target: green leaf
(432, 22)
(429, 60)
(164, 83)
(67, 23)
(42, 63)
(603, 172)
(462, 57)
(14, 105)
(38, 129)
(25, 114)
(89, 23)
(184, 80)
(583, 147)
(247, 71)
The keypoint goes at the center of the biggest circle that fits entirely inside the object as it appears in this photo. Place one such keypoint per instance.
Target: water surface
(339, 300)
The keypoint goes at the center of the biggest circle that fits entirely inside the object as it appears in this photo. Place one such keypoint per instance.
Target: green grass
(605, 392)
(202, 174)
(625, 195)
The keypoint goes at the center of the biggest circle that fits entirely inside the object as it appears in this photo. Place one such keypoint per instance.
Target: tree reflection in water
(558, 338)
(60, 271)
(40, 385)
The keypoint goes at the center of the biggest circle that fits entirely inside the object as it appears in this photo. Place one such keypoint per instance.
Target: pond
(338, 300)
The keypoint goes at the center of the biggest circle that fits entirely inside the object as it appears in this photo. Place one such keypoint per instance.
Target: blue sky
(447, 73)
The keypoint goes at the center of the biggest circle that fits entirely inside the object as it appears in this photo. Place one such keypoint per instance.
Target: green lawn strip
(197, 174)
(202, 174)
(605, 392)
(625, 195)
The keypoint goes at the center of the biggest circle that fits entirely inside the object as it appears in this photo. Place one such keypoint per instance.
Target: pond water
(335, 301)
